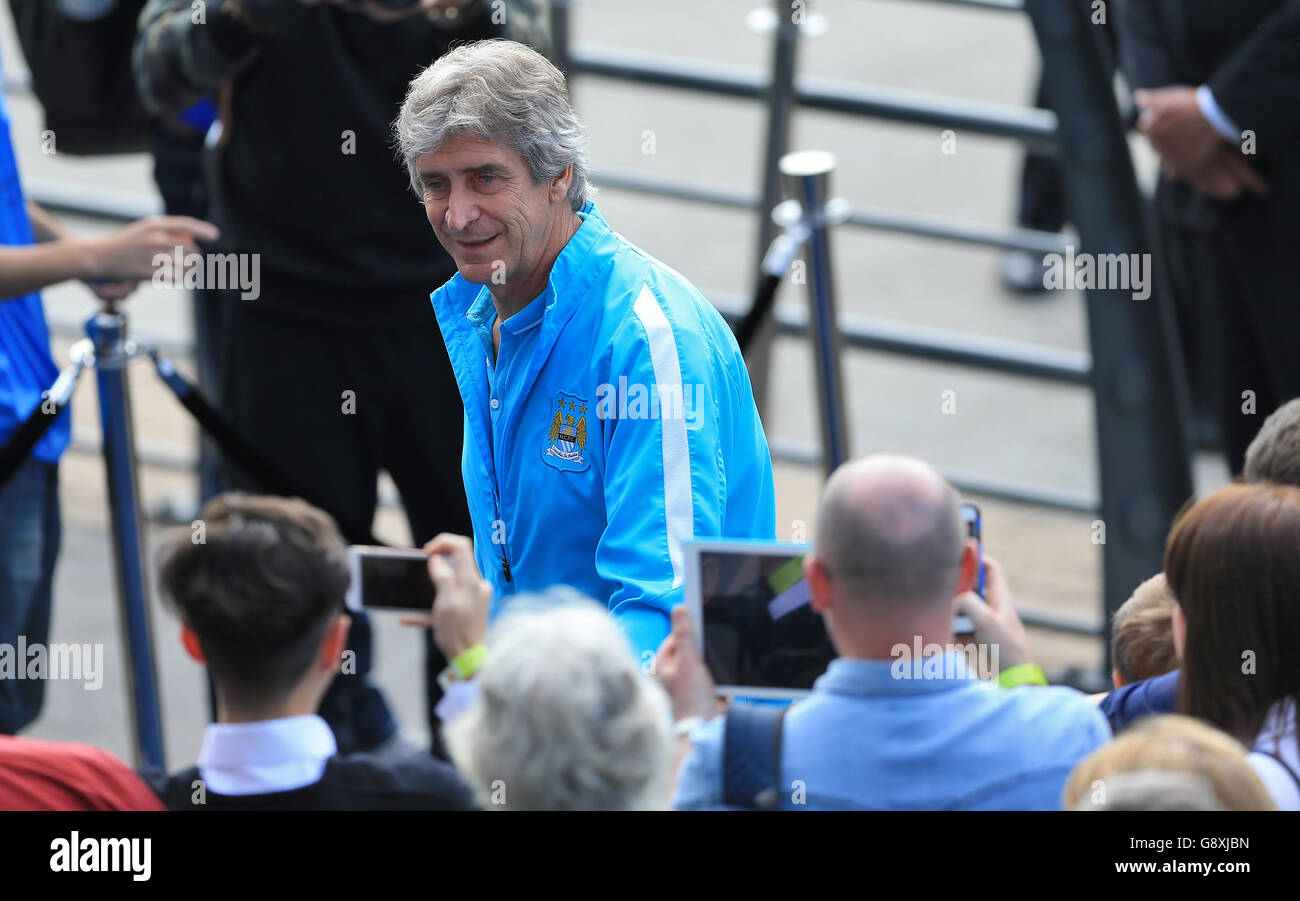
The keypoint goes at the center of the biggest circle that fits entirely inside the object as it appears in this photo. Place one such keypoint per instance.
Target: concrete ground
(1004, 427)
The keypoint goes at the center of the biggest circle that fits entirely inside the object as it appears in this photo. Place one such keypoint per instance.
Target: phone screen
(389, 579)
(970, 514)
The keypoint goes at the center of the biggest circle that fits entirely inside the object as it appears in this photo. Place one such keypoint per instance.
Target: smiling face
(502, 228)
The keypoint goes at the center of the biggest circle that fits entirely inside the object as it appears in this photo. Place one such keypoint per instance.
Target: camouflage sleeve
(186, 50)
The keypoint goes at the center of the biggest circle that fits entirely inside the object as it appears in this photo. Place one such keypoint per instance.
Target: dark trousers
(1042, 202)
(332, 405)
(1235, 339)
(30, 531)
(178, 170)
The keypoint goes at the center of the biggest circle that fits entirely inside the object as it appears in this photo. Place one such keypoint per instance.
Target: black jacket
(350, 782)
(308, 176)
(1248, 53)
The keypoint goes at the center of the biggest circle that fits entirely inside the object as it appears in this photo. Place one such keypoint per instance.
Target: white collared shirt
(1278, 737)
(1215, 115)
(266, 756)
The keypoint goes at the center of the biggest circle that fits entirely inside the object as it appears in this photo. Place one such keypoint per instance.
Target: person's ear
(969, 577)
(1117, 679)
(819, 583)
(191, 642)
(335, 641)
(560, 184)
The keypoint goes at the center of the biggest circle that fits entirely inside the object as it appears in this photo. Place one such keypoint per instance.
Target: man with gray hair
(608, 413)
(899, 720)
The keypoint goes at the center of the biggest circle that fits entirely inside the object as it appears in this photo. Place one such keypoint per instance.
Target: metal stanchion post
(808, 175)
(560, 35)
(780, 102)
(112, 350)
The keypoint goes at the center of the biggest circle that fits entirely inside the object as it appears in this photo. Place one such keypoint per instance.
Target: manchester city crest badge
(566, 439)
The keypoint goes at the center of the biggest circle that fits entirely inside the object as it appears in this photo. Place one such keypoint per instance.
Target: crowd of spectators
(559, 714)
(548, 706)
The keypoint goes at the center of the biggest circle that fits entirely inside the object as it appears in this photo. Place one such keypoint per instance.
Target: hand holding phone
(464, 597)
(996, 621)
(387, 578)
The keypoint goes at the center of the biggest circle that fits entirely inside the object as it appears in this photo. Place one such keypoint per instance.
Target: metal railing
(1140, 398)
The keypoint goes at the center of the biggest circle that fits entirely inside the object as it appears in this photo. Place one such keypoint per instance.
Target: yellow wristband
(465, 666)
(1024, 674)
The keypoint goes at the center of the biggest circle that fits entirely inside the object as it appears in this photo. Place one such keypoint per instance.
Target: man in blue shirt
(883, 729)
(608, 412)
(29, 503)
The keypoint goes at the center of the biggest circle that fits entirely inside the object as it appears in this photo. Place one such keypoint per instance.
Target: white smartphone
(388, 578)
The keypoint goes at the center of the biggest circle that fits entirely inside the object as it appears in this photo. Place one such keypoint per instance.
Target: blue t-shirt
(26, 368)
(870, 737)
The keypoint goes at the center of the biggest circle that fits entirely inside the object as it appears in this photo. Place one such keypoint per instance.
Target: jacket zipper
(505, 563)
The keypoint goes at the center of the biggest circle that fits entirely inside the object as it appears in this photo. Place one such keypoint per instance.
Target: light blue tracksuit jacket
(624, 426)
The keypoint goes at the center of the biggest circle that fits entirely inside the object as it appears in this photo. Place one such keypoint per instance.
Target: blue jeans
(29, 545)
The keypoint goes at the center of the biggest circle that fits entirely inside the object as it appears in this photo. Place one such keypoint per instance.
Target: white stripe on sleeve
(679, 511)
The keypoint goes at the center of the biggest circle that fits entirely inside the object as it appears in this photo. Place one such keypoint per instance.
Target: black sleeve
(444, 789)
(1145, 55)
(1258, 87)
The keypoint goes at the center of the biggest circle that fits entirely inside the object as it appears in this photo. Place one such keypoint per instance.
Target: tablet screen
(759, 631)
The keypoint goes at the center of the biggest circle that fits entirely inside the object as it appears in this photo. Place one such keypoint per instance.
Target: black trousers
(1042, 202)
(331, 404)
(1237, 330)
(178, 172)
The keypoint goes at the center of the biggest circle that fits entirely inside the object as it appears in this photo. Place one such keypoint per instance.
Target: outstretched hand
(462, 600)
(996, 620)
(682, 671)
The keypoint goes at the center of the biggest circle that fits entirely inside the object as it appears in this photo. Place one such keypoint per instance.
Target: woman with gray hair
(564, 718)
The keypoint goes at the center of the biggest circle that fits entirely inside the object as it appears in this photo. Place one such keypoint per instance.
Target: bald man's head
(889, 529)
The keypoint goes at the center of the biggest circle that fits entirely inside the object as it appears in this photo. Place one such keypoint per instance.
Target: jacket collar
(460, 304)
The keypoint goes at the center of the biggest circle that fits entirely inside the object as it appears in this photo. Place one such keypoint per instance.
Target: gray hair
(565, 719)
(502, 92)
(1274, 455)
